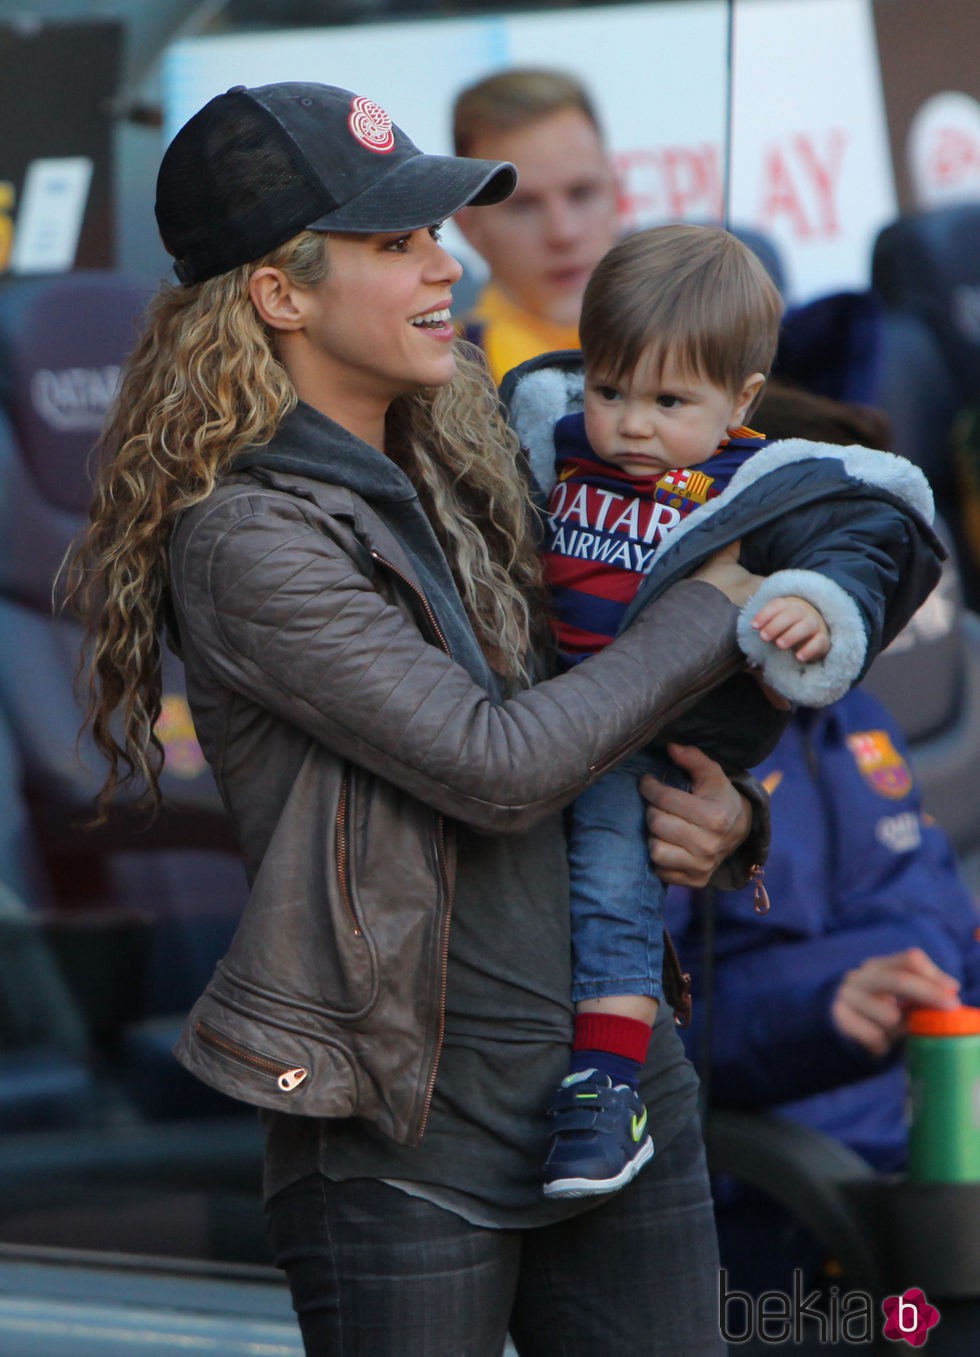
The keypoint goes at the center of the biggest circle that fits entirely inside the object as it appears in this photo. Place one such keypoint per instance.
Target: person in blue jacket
(870, 917)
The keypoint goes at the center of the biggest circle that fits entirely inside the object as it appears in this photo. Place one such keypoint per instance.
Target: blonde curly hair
(203, 383)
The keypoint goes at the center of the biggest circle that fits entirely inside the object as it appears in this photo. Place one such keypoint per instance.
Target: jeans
(376, 1273)
(617, 900)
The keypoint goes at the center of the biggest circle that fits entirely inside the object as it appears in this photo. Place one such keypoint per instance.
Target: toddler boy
(679, 329)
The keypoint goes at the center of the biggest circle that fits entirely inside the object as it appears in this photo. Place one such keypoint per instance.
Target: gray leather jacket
(350, 719)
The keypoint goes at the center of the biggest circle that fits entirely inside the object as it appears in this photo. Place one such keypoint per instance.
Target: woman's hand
(872, 1000)
(692, 833)
(724, 572)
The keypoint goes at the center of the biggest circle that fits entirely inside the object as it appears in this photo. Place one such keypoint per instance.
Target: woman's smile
(437, 322)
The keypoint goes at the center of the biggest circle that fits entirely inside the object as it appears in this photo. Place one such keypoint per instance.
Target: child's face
(652, 421)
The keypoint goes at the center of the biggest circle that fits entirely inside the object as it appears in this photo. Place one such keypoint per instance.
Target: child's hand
(793, 624)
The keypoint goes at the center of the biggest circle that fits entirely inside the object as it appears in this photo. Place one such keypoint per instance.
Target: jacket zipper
(286, 1076)
(440, 853)
(342, 874)
(417, 592)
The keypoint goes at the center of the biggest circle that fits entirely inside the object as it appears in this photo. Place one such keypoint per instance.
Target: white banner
(811, 167)
(810, 160)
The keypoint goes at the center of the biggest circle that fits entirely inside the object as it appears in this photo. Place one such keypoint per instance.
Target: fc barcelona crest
(880, 763)
(686, 485)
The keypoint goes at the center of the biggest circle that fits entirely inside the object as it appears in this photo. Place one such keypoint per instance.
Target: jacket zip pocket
(286, 1076)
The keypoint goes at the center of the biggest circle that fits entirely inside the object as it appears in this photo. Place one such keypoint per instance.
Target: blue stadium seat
(134, 915)
(927, 264)
(926, 269)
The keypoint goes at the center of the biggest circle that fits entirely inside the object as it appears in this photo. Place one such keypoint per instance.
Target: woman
(309, 480)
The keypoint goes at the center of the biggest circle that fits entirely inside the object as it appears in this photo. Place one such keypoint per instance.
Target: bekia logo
(909, 1317)
(774, 1318)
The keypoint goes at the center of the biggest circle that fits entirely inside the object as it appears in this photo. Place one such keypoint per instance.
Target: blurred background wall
(812, 121)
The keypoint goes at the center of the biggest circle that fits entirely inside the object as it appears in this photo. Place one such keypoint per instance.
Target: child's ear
(747, 397)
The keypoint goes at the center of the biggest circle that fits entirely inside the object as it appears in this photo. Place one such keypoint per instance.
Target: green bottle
(943, 1055)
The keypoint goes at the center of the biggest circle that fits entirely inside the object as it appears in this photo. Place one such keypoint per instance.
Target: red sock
(612, 1044)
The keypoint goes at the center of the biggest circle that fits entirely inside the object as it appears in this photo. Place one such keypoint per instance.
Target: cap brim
(421, 191)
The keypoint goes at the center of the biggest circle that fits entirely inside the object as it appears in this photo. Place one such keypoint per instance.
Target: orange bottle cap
(942, 1022)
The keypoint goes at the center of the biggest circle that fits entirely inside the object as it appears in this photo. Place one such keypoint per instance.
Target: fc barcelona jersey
(603, 529)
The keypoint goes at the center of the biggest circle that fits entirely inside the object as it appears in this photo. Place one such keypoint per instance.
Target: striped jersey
(603, 528)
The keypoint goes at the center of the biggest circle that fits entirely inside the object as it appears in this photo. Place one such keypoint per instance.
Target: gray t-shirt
(507, 1039)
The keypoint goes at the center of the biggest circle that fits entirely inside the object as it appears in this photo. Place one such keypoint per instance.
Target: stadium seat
(926, 270)
(833, 346)
(133, 913)
(921, 399)
(927, 264)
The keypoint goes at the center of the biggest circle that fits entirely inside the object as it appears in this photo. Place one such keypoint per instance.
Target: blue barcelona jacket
(855, 871)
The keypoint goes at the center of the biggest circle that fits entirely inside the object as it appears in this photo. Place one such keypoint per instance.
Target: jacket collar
(308, 443)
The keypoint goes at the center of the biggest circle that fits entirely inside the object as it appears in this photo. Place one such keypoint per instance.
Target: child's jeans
(617, 898)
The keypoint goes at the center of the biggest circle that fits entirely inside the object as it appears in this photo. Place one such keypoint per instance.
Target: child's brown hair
(694, 293)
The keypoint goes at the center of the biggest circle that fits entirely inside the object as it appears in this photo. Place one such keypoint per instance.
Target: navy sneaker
(599, 1139)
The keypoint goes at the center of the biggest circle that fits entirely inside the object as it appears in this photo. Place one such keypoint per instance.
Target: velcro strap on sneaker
(584, 1117)
(573, 1109)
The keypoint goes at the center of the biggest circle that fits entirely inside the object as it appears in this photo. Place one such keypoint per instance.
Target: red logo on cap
(370, 125)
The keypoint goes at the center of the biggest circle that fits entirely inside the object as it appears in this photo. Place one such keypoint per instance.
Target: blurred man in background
(543, 243)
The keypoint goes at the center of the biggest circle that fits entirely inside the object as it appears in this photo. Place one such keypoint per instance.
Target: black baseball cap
(254, 167)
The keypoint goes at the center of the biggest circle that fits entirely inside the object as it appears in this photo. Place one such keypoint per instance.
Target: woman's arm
(281, 615)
